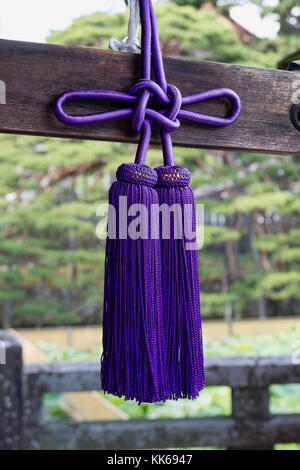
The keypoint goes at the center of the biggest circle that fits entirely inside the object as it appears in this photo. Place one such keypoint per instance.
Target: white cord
(130, 43)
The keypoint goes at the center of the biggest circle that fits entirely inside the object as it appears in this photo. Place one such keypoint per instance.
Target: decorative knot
(136, 109)
(171, 101)
(144, 91)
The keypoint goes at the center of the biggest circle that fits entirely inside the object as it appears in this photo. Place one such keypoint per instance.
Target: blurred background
(51, 261)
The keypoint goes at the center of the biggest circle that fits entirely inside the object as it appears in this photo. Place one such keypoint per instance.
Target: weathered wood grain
(36, 74)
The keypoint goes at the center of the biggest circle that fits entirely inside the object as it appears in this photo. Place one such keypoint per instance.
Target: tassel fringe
(152, 340)
(180, 284)
(133, 359)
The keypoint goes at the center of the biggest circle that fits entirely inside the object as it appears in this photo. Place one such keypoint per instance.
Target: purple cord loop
(144, 91)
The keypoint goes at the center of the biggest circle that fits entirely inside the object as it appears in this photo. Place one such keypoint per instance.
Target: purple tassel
(152, 340)
(134, 356)
(180, 283)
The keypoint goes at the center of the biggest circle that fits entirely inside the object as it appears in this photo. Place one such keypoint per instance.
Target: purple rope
(144, 91)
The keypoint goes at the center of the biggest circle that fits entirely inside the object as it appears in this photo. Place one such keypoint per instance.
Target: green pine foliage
(197, 33)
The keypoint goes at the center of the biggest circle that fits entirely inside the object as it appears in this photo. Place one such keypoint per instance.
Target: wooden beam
(36, 74)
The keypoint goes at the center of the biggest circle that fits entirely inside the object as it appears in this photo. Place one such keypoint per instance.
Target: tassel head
(172, 176)
(136, 174)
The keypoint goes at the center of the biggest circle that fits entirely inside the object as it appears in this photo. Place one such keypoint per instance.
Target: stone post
(11, 393)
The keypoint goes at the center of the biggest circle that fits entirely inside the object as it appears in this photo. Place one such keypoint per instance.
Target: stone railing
(250, 426)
